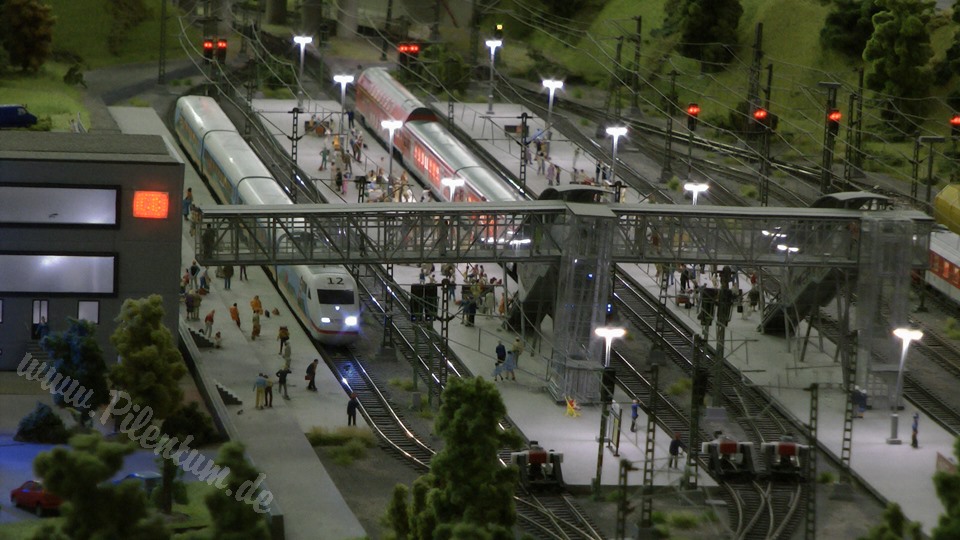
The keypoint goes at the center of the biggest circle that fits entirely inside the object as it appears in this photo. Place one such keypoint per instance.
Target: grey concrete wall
(148, 251)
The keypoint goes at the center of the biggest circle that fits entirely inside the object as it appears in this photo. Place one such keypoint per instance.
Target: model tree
(898, 53)
(894, 525)
(468, 492)
(26, 31)
(94, 507)
(149, 370)
(78, 359)
(947, 485)
(709, 31)
(233, 509)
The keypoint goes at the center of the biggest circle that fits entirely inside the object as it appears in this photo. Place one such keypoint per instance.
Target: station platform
(274, 438)
(898, 473)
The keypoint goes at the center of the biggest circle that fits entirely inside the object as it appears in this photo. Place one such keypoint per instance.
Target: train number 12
(335, 280)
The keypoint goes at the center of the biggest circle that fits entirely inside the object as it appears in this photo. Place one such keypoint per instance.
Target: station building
(86, 222)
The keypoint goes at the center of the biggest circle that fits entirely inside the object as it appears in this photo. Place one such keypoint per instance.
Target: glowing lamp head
(151, 204)
(453, 182)
(616, 131)
(391, 124)
(908, 334)
(552, 84)
(493, 44)
(351, 321)
(607, 332)
(343, 79)
(695, 188)
(787, 249)
(303, 40)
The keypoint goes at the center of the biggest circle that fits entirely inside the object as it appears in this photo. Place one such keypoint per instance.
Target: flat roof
(94, 147)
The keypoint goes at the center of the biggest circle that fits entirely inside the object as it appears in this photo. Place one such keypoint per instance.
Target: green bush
(953, 330)
(679, 387)
(403, 384)
(658, 517)
(578, 93)
(42, 426)
(348, 453)
(341, 436)
(749, 191)
(826, 477)
(684, 520)
(710, 517)
(673, 184)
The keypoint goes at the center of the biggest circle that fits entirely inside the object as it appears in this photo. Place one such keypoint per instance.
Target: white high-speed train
(325, 297)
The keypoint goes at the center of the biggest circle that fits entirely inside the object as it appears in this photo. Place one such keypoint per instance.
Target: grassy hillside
(791, 44)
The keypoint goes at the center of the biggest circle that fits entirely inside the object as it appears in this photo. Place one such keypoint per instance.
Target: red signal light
(955, 120)
(151, 204)
(760, 115)
(408, 48)
(834, 116)
(222, 44)
(693, 109)
(208, 44)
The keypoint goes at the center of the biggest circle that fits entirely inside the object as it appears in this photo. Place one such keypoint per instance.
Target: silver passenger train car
(324, 297)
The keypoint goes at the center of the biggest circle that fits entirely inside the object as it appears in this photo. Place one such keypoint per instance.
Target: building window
(58, 274)
(40, 308)
(89, 310)
(57, 206)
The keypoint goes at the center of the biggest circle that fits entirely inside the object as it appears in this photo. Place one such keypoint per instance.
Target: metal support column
(915, 170)
(667, 172)
(615, 83)
(445, 341)
(810, 530)
(251, 87)
(846, 448)
(693, 448)
(387, 34)
(635, 82)
(623, 508)
(826, 173)
(388, 311)
(646, 507)
(524, 149)
(294, 142)
(162, 61)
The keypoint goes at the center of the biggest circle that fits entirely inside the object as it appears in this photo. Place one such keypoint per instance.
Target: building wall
(147, 250)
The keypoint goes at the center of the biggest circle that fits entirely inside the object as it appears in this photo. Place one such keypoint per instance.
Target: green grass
(340, 436)
(684, 520)
(348, 453)
(403, 384)
(82, 29)
(195, 509)
(826, 477)
(45, 95)
(680, 386)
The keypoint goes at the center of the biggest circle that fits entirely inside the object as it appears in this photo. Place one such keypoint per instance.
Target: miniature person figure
(268, 392)
(187, 204)
(509, 365)
(256, 305)
(286, 355)
(352, 406)
(634, 414)
(312, 375)
(517, 350)
(676, 445)
(915, 429)
(282, 382)
(217, 340)
(208, 322)
(255, 333)
(260, 386)
(324, 155)
(283, 334)
(235, 314)
(227, 276)
(501, 358)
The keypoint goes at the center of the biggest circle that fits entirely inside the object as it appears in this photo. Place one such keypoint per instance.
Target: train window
(328, 296)
(89, 310)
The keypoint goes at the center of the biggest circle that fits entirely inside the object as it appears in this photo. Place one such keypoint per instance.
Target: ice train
(325, 297)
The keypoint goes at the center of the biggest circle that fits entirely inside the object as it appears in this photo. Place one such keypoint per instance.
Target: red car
(32, 496)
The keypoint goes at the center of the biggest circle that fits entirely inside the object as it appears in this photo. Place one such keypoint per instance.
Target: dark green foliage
(42, 426)
(190, 420)
(443, 69)
(151, 365)
(849, 26)
(565, 8)
(232, 517)
(150, 368)
(26, 31)
(898, 53)
(894, 526)
(468, 493)
(127, 14)
(397, 514)
(948, 490)
(77, 358)
(709, 31)
(94, 507)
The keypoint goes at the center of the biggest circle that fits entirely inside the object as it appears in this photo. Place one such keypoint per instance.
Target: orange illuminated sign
(151, 204)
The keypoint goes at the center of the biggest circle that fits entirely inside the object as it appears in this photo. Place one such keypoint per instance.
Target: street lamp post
(906, 335)
(552, 85)
(493, 44)
(608, 334)
(302, 41)
(696, 189)
(453, 184)
(931, 140)
(343, 81)
(787, 250)
(391, 126)
(616, 132)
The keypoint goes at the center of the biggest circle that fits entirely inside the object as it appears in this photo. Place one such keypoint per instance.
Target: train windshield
(337, 297)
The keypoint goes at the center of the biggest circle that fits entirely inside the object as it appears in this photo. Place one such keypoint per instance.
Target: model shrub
(42, 426)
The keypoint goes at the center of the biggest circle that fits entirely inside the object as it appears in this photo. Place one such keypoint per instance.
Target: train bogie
(539, 468)
(785, 458)
(728, 457)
